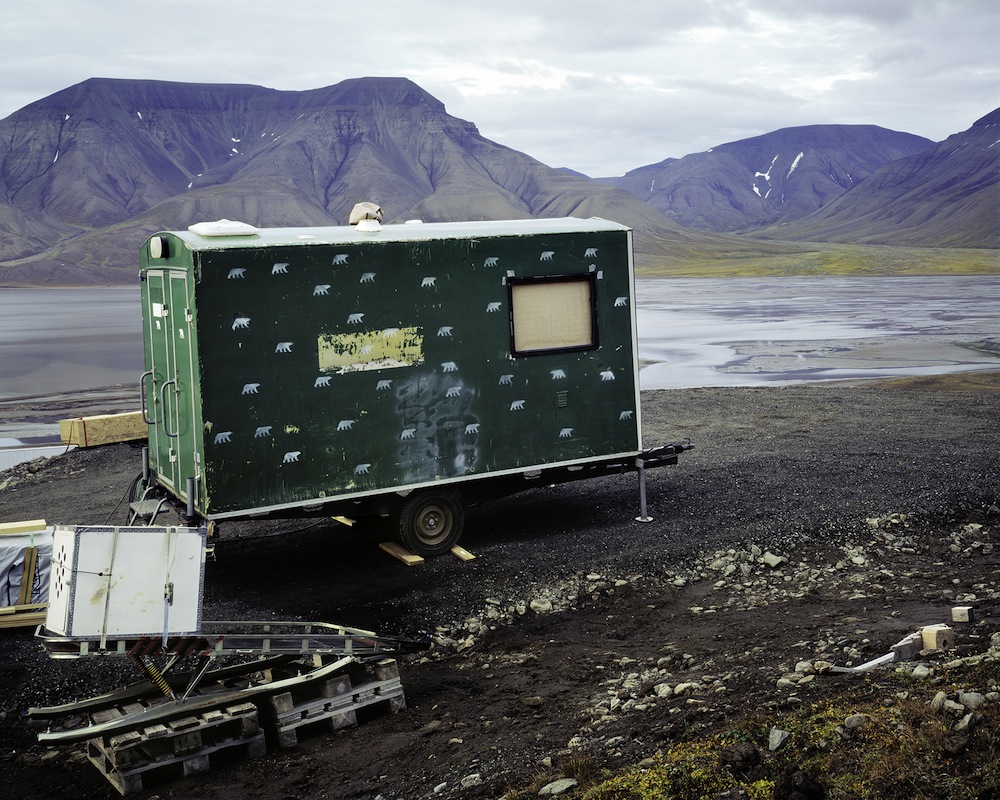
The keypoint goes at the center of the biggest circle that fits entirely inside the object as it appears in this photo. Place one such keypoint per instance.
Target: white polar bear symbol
(454, 391)
(345, 425)
(492, 261)
(383, 385)
(250, 388)
(366, 349)
(621, 301)
(624, 416)
(449, 366)
(492, 307)
(607, 375)
(291, 457)
(340, 259)
(263, 430)
(445, 331)
(506, 380)
(241, 322)
(367, 277)
(321, 289)
(362, 469)
(427, 282)
(355, 319)
(517, 405)
(236, 273)
(473, 428)
(590, 252)
(284, 347)
(566, 433)
(389, 333)
(224, 437)
(280, 269)
(557, 374)
(407, 433)
(547, 255)
(322, 381)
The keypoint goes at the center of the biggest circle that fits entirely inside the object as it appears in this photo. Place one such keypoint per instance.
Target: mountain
(776, 177)
(946, 196)
(87, 173)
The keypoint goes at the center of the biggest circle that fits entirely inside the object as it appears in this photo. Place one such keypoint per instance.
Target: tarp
(25, 559)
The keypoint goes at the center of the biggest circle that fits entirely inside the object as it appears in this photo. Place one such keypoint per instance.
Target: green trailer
(407, 369)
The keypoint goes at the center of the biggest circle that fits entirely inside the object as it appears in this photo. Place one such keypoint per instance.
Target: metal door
(169, 383)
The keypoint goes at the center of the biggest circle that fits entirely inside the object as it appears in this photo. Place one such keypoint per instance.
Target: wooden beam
(103, 429)
(400, 552)
(28, 526)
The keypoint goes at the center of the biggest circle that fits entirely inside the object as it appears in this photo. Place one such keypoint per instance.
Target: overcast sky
(600, 87)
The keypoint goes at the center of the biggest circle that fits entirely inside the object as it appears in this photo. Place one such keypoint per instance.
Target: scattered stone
(776, 738)
(557, 787)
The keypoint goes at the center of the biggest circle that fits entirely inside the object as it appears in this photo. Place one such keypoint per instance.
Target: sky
(598, 87)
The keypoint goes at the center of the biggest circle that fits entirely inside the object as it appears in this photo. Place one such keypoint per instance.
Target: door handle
(163, 402)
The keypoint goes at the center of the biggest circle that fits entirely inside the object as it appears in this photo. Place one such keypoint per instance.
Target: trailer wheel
(431, 522)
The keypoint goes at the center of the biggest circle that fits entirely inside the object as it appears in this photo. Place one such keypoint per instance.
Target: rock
(541, 605)
(475, 779)
(532, 702)
(922, 672)
(557, 787)
(937, 703)
(772, 560)
(972, 700)
(776, 739)
(855, 721)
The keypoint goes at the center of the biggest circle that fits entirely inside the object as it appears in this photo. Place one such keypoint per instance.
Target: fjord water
(55, 341)
(692, 332)
(767, 331)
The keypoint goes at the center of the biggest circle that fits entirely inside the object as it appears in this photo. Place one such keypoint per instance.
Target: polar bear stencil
(262, 431)
(492, 307)
(321, 382)
(492, 261)
(355, 319)
(340, 259)
(547, 255)
(280, 268)
(236, 274)
(225, 437)
(345, 425)
(321, 289)
(292, 457)
(428, 282)
(517, 405)
(367, 277)
(283, 347)
(590, 252)
(251, 388)
(241, 322)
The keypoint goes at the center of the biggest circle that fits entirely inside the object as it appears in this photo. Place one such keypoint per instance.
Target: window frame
(588, 278)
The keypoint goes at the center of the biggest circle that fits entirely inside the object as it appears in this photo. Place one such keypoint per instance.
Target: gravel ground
(569, 595)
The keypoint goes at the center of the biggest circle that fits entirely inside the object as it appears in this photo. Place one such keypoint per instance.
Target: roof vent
(223, 227)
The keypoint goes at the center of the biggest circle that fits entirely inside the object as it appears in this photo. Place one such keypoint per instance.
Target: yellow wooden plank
(400, 552)
(22, 616)
(27, 526)
(462, 553)
(103, 429)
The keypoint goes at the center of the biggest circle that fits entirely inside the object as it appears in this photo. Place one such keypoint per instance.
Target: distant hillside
(946, 196)
(773, 178)
(87, 173)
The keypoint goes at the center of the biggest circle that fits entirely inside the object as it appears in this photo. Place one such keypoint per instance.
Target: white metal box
(108, 582)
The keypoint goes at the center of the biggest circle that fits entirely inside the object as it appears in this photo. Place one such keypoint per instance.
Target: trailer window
(552, 314)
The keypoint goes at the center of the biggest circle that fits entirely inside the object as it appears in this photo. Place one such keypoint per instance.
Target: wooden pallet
(343, 701)
(135, 760)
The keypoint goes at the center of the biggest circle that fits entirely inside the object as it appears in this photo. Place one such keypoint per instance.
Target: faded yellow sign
(384, 349)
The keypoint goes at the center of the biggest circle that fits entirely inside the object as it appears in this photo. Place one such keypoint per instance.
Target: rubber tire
(430, 523)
